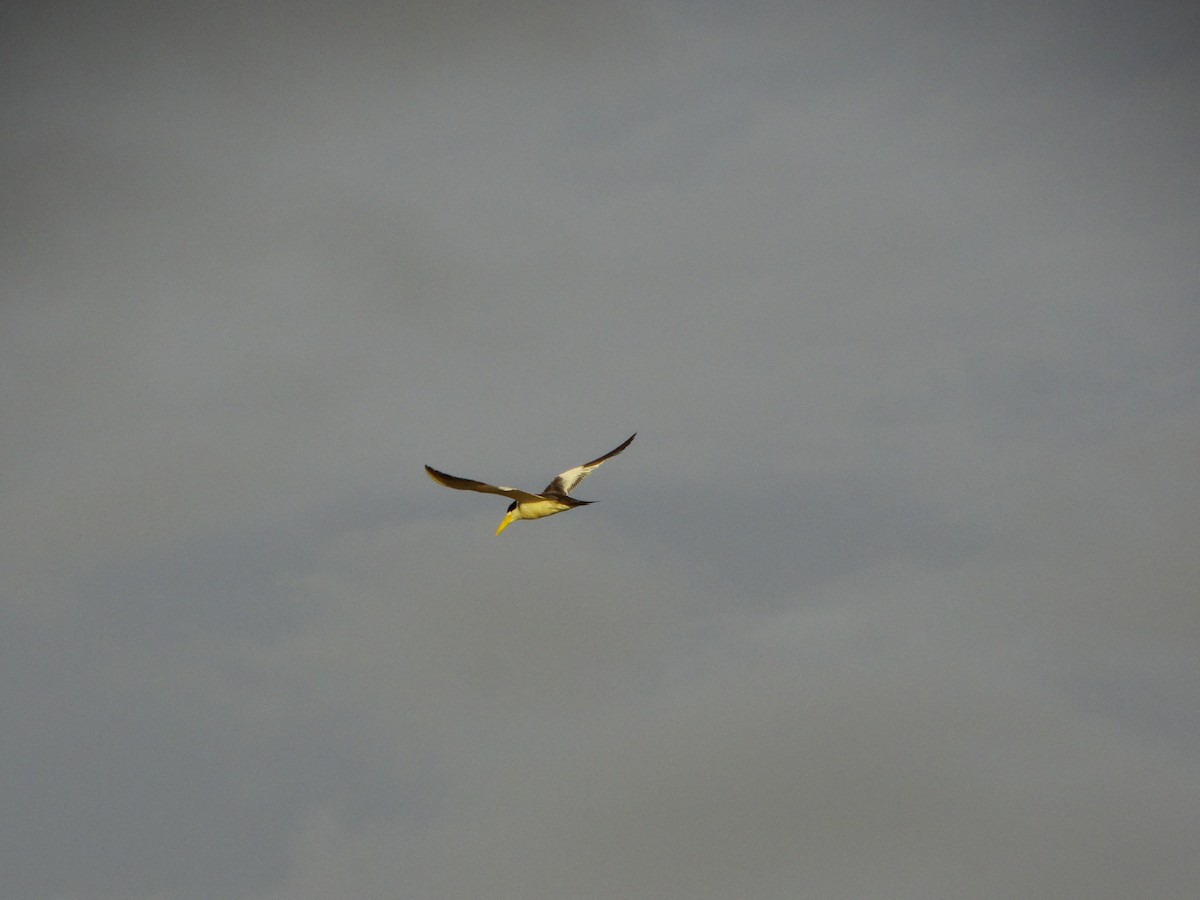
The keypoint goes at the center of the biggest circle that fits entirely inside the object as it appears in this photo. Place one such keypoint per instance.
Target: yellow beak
(505, 522)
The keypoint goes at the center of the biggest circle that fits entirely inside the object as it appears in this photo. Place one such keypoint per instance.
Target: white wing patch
(569, 480)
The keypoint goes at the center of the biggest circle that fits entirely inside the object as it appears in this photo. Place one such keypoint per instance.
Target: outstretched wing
(567, 481)
(466, 484)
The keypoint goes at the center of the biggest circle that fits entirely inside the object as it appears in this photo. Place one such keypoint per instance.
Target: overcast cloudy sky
(896, 594)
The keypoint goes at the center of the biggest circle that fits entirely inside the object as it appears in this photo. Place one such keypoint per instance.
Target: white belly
(540, 509)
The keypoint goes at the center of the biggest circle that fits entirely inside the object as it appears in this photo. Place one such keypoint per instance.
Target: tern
(554, 499)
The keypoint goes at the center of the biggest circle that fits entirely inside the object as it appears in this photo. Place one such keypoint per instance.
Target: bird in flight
(554, 499)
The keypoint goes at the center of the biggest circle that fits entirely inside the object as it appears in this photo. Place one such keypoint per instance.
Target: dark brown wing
(466, 484)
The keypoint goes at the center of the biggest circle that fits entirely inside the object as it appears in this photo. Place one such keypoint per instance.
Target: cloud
(892, 596)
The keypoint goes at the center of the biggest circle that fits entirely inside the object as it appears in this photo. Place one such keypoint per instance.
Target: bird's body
(554, 499)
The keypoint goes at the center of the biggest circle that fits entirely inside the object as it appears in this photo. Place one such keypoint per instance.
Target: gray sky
(894, 596)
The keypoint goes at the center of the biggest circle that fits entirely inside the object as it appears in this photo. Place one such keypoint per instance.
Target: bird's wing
(567, 481)
(466, 484)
